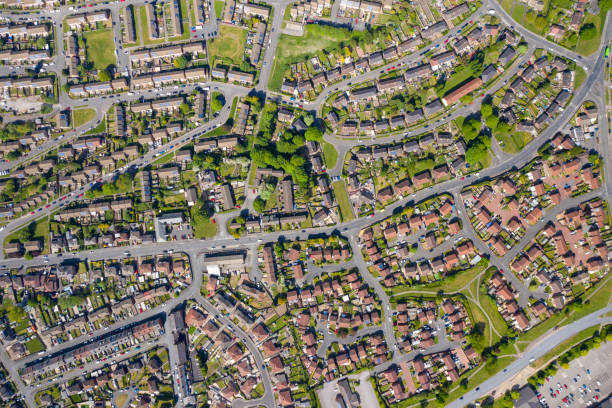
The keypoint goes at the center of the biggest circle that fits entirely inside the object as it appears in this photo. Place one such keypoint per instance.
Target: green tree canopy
(313, 133)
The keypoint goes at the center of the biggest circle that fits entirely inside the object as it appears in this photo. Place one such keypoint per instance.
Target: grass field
(455, 282)
(579, 77)
(204, 229)
(331, 155)
(588, 47)
(41, 231)
(228, 48)
(513, 142)
(34, 345)
(100, 48)
(292, 49)
(346, 211)
(219, 8)
(82, 116)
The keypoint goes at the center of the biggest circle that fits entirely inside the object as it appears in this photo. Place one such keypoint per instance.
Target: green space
(513, 142)
(82, 116)
(219, 8)
(100, 48)
(201, 221)
(588, 47)
(34, 345)
(346, 211)
(184, 23)
(562, 347)
(315, 40)
(331, 155)
(579, 76)
(101, 128)
(35, 230)
(450, 284)
(228, 48)
(144, 28)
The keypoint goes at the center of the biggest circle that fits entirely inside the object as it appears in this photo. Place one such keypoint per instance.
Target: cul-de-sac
(305, 204)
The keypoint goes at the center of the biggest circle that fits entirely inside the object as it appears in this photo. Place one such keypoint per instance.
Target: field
(82, 116)
(34, 345)
(513, 142)
(331, 155)
(206, 229)
(341, 195)
(228, 48)
(219, 8)
(100, 48)
(292, 49)
(40, 230)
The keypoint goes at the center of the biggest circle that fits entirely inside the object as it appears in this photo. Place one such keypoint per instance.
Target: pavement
(592, 88)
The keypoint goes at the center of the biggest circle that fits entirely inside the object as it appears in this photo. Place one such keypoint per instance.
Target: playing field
(228, 48)
(100, 48)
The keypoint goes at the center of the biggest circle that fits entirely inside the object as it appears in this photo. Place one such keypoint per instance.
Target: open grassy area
(346, 211)
(513, 142)
(588, 47)
(82, 116)
(228, 48)
(34, 345)
(205, 229)
(579, 76)
(292, 48)
(40, 231)
(219, 8)
(100, 48)
(453, 283)
(331, 155)
(490, 308)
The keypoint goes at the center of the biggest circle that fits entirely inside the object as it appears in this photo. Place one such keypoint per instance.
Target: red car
(214, 222)
(48, 205)
(32, 213)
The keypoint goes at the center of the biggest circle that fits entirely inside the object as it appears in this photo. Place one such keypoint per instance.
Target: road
(590, 89)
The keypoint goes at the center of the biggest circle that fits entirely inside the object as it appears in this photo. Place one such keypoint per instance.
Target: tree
(491, 122)
(308, 119)
(184, 108)
(259, 205)
(180, 62)
(313, 133)
(486, 110)
(588, 31)
(104, 75)
(522, 47)
(217, 102)
(475, 153)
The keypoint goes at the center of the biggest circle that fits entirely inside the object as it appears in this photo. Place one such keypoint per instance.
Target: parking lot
(586, 382)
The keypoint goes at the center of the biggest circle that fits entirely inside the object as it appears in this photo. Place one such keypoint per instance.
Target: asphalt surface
(594, 66)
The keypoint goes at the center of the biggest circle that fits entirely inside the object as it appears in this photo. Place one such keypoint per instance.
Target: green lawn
(219, 9)
(346, 210)
(82, 116)
(40, 230)
(100, 48)
(579, 76)
(452, 283)
(101, 128)
(228, 48)
(588, 47)
(292, 49)
(34, 345)
(517, 13)
(206, 229)
(507, 5)
(513, 142)
(490, 308)
(331, 155)
(167, 158)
